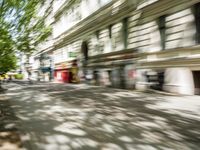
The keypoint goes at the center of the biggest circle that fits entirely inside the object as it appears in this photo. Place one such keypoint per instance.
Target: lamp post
(51, 68)
(27, 67)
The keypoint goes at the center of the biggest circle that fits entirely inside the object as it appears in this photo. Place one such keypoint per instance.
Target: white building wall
(179, 80)
(180, 29)
(77, 12)
(63, 54)
(57, 4)
(144, 37)
(180, 32)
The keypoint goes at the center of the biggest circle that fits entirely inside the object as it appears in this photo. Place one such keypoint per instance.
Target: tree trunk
(1, 89)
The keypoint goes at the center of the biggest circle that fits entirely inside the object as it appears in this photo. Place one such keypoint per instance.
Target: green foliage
(20, 29)
(7, 63)
(19, 76)
(7, 56)
(31, 28)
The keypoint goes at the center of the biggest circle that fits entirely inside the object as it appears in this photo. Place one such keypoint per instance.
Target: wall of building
(73, 13)
(180, 32)
(125, 42)
(144, 35)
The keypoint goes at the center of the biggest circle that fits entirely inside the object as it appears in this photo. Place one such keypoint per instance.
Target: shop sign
(72, 54)
(62, 66)
(45, 69)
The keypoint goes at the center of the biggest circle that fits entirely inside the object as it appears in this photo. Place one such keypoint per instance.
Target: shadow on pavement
(57, 117)
(9, 136)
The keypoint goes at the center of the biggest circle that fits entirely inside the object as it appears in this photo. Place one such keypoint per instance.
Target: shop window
(98, 47)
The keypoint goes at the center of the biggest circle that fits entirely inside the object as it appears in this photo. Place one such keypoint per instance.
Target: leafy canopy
(21, 29)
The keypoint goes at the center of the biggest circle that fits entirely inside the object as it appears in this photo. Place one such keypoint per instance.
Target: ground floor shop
(173, 77)
(116, 76)
(66, 72)
(61, 75)
(116, 69)
(42, 74)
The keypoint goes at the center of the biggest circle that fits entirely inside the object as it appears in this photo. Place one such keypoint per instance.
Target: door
(65, 76)
(196, 77)
(122, 77)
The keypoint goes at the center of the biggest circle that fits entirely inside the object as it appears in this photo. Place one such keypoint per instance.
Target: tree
(31, 27)
(7, 57)
(21, 29)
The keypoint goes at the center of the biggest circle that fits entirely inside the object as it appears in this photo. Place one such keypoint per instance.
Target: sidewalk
(9, 135)
(70, 117)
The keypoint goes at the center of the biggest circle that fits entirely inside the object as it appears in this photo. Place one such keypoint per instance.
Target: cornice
(99, 19)
(62, 8)
(170, 63)
(133, 53)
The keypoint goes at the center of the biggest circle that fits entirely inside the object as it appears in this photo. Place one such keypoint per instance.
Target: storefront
(45, 73)
(66, 72)
(121, 76)
(61, 75)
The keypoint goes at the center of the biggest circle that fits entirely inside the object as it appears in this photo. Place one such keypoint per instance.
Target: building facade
(129, 44)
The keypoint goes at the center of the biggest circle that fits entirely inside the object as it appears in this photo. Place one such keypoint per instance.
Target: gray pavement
(54, 116)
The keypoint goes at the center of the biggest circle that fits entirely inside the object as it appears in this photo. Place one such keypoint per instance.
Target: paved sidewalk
(80, 117)
(9, 135)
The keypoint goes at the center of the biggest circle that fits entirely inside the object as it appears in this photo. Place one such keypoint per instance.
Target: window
(110, 31)
(162, 29)
(97, 35)
(84, 49)
(125, 32)
(197, 21)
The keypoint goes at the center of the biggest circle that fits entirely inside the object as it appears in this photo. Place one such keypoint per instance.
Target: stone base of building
(172, 80)
(179, 80)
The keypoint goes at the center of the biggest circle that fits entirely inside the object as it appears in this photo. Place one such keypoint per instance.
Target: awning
(45, 69)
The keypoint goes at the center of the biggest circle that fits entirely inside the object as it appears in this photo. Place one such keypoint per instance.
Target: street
(52, 116)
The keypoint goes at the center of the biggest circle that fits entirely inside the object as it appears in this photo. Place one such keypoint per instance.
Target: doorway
(196, 77)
